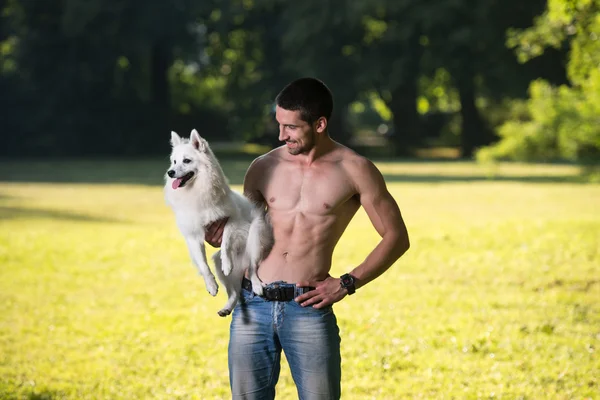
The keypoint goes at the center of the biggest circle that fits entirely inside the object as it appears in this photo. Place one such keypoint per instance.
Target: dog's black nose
(171, 173)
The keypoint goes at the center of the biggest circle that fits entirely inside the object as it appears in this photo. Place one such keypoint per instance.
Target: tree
(314, 38)
(89, 72)
(390, 57)
(557, 122)
(244, 48)
(385, 46)
(467, 39)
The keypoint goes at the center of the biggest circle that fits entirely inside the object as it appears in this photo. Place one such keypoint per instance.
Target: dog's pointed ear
(198, 142)
(175, 139)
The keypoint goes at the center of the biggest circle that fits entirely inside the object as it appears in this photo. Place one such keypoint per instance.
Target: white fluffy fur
(205, 198)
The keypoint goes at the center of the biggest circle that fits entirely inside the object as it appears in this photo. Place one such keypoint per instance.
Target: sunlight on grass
(497, 298)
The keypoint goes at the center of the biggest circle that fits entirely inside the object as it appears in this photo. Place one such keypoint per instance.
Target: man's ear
(321, 125)
(175, 139)
(198, 142)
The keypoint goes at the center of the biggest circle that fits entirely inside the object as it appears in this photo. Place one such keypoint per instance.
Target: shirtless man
(312, 187)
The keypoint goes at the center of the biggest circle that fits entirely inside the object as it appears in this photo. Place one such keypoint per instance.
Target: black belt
(279, 291)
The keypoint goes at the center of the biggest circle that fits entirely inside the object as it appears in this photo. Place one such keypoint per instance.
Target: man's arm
(385, 216)
(387, 220)
(214, 232)
(252, 182)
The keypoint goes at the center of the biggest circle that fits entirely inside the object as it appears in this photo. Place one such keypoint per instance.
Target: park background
(483, 116)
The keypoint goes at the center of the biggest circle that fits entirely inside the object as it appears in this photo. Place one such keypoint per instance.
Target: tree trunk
(473, 129)
(338, 126)
(160, 62)
(405, 117)
(160, 94)
(403, 104)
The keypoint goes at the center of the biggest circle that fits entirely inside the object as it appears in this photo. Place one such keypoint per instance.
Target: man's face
(298, 135)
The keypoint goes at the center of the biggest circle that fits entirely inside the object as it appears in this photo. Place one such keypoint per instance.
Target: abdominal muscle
(304, 245)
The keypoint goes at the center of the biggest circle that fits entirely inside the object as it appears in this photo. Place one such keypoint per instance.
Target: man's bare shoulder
(264, 161)
(361, 171)
(352, 161)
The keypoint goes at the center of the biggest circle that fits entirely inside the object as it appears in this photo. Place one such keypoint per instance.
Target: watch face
(347, 280)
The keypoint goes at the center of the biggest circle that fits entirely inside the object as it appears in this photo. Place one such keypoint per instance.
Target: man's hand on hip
(326, 293)
(213, 233)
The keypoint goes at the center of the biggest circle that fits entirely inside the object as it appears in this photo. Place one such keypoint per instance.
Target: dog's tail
(260, 237)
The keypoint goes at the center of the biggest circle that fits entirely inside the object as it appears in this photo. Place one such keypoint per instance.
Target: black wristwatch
(347, 282)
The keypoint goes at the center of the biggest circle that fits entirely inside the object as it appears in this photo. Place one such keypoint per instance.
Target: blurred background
(494, 79)
(498, 295)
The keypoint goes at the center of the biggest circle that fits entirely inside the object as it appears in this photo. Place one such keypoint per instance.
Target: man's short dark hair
(310, 96)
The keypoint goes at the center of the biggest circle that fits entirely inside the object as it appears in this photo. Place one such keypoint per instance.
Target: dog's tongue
(176, 183)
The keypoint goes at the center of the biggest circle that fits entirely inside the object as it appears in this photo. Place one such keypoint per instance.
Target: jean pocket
(314, 311)
(324, 310)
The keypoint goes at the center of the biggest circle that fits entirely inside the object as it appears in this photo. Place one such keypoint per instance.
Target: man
(312, 186)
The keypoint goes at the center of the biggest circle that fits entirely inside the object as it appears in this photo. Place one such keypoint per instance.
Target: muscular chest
(308, 190)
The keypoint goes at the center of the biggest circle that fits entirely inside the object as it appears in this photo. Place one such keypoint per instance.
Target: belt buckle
(274, 292)
(279, 293)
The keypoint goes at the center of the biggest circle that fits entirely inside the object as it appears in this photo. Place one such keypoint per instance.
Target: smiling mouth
(180, 182)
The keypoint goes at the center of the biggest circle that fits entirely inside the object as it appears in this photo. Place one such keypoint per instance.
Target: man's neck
(322, 147)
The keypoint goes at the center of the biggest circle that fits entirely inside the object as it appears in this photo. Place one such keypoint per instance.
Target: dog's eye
(187, 161)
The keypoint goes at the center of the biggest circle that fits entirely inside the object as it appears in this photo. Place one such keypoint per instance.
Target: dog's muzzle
(180, 182)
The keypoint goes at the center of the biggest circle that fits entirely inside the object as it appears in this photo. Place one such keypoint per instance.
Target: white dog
(197, 190)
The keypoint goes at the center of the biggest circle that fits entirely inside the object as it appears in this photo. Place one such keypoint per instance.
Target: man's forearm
(384, 255)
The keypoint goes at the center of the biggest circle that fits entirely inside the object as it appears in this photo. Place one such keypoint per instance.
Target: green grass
(499, 296)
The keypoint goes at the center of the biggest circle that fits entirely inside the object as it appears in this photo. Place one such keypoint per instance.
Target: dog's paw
(212, 288)
(257, 288)
(226, 268)
(224, 312)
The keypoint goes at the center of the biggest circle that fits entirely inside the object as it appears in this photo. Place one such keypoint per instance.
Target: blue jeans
(309, 337)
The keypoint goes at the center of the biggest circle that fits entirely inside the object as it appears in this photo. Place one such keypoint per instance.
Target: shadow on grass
(42, 395)
(151, 172)
(7, 213)
(119, 172)
(477, 178)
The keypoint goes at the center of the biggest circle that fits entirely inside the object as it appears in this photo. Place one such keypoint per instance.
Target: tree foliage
(115, 76)
(557, 122)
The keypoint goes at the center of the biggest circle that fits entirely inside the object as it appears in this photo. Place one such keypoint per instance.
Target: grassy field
(499, 296)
